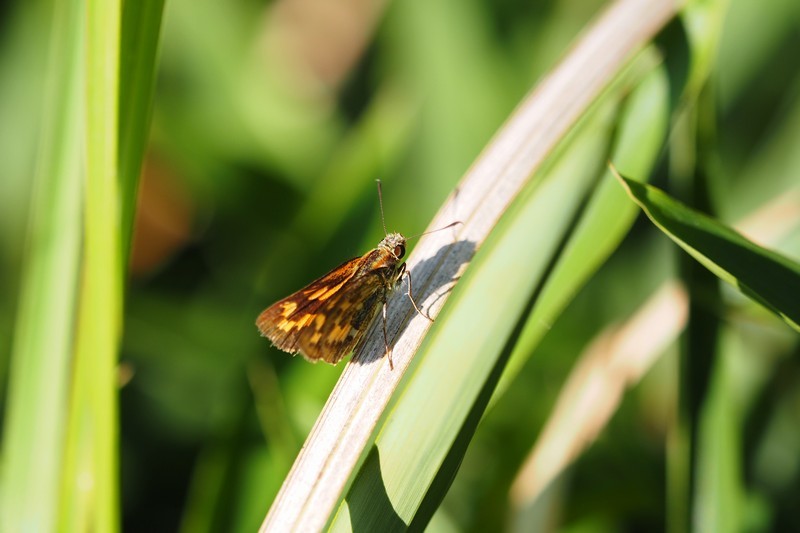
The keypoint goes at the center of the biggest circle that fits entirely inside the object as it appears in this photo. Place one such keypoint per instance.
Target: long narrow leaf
(606, 220)
(140, 29)
(43, 336)
(764, 275)
(90, 488)
(463, 355)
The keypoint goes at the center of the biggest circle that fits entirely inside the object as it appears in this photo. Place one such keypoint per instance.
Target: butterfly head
(395, 244)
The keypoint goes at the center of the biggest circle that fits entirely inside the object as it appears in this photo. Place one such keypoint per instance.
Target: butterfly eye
(399, 251)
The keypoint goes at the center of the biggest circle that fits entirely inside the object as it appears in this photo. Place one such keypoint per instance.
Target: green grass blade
(43, 336)
(141, 26)
(764, 275)
(90, 488)
(606, 220)
(638, 140)
(691, 139)
(720, 490)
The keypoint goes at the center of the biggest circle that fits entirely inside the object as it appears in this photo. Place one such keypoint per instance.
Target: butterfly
(327, 319)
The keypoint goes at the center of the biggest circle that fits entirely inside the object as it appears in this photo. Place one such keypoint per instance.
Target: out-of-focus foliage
(272, 121)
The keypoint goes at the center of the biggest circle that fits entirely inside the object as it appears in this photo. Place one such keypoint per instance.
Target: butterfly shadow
(440, 273)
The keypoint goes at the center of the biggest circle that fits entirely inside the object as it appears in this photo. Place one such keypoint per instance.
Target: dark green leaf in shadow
(764, 275)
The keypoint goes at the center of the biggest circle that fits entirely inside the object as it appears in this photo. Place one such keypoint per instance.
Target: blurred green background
(271, 122)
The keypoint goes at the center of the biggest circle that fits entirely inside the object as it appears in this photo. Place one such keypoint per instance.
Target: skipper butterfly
(327, 319)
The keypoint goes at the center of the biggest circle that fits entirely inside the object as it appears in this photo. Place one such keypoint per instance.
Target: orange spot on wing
(317, 293)
(289, 325)
(326, 292)
(301, 323)
(288, 308)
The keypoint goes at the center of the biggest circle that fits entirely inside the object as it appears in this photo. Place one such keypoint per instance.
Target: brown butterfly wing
(347, 316)
(326, 319)
(281, 321)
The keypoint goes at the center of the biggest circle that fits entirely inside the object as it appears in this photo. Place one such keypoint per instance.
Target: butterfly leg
(408, 276)
(386, 339)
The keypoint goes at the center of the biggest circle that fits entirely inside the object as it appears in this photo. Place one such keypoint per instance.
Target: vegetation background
(270, 123)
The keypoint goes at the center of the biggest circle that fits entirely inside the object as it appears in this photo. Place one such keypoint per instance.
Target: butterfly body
(328, 318)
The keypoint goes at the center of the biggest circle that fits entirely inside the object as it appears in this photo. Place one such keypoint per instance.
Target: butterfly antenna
(456, 223)
(380, 202)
